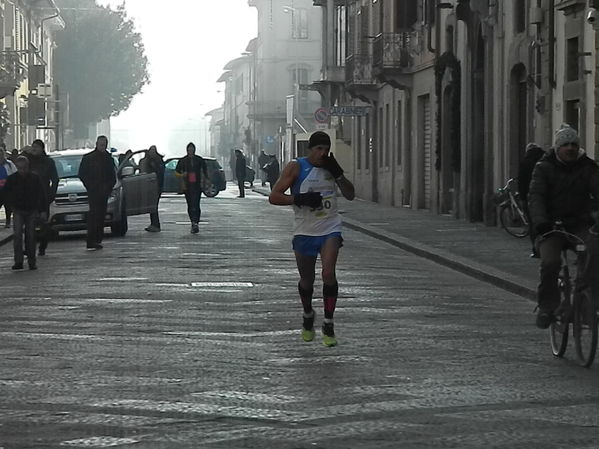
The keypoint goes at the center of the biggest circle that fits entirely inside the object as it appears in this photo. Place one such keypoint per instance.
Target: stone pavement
(486, 253)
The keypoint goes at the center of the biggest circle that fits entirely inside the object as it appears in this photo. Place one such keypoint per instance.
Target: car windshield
(68, 166)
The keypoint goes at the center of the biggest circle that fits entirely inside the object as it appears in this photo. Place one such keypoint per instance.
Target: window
(520, 16)
(572, 65)
(359, 141)
(406, 14)
(340, 35)
(368, 141)
(299, 26)
(572, 114)
(398, 127)
(387, 135)
(300, 76)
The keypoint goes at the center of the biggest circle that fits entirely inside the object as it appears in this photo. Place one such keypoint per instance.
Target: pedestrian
(533, 154)
(26, 195)
(240, 163)
(192, 168)
(126, 160)
(14, 154)
(98, 174)
(263, 159)
(153, 162)
(272, 170)
(313, 181)
(7, 168)
(232, 159)
(43, 166)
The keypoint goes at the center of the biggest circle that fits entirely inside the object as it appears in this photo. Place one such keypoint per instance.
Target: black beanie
(319, 138)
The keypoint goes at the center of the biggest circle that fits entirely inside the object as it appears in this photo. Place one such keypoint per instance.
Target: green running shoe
(328, 335)
(308, 327)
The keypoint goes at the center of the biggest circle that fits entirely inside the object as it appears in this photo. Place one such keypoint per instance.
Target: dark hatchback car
(173, 184)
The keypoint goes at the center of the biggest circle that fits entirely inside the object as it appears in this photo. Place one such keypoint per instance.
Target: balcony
(358, 71)
(12, 72)
(570, 6)
(391, 52)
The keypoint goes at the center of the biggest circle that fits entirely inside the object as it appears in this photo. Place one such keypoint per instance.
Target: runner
(313, 181)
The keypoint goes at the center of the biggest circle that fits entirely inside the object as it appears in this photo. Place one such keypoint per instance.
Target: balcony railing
(358, 70)
(391, 50)
(12, 70)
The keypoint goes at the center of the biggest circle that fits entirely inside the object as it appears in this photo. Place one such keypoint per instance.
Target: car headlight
(113, 195)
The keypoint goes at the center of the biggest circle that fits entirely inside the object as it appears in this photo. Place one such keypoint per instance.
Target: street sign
(349, 111)
(321, 115)
(44, 90)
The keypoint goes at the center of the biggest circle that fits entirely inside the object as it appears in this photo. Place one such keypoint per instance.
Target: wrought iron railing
(391, 50)
(12, 70)
(358, 70)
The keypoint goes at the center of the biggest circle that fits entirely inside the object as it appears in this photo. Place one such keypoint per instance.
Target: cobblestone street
(172, 340)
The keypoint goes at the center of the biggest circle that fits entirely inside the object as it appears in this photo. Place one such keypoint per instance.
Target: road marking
(99, 442)
(222, 284)
(125, 279)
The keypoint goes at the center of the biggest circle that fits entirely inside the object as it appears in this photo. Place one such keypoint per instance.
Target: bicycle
(576, 302)
(511, 213)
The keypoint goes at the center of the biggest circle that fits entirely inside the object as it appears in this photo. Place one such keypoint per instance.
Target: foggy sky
(187, 43)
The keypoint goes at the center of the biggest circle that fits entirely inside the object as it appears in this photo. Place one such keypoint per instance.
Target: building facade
(30, 99)
(455, 90)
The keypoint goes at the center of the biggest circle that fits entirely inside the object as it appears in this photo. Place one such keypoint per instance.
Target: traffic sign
(321, 115)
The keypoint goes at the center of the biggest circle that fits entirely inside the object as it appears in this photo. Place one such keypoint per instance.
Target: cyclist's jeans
(548, 293)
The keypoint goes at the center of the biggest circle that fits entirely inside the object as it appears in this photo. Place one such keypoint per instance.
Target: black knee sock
(306, 297)
(329, 296)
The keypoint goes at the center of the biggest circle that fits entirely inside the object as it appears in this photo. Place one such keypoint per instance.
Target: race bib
(191, 177)
(328, 208)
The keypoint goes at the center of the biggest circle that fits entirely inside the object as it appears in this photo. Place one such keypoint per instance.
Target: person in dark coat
(232, 159)
(240, 163)
(263, 160)
(7, 168)
(153, 163)
(43, 165)
(564, 187)
(26, 194)
(533, 154)
(272, 170)
(191, 168)
(98, 174)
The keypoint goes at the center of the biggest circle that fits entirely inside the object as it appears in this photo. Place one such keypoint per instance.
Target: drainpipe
(551, 39)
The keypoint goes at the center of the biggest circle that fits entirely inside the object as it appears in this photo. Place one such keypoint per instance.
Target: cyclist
(313, 181)
(564, 187)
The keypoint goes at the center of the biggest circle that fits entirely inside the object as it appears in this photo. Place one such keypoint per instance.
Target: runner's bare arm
(278, 196)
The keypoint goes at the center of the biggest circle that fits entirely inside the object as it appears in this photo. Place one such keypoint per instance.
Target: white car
(134, 193)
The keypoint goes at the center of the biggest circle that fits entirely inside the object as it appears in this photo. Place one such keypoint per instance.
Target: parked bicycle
(511, 213)
(577, 306)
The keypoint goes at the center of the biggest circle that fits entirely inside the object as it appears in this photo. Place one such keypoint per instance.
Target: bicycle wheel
(560, 328)
(511, 221)
(585, 327)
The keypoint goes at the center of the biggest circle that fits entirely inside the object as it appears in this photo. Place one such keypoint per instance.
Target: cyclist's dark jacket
(566, 192)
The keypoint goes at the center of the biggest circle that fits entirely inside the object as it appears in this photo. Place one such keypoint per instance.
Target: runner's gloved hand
(543, 228)
(331, 164)
(310, 199)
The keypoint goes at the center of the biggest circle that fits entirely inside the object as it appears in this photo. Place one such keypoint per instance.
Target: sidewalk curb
(498, 278)
(493, 276)
(5, 240)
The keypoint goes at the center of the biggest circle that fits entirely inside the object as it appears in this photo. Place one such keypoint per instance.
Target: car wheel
(212, 191)
(119, 228)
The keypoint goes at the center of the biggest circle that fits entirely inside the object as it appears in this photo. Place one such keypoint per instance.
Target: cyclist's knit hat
(566, 134)
(319, 138)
